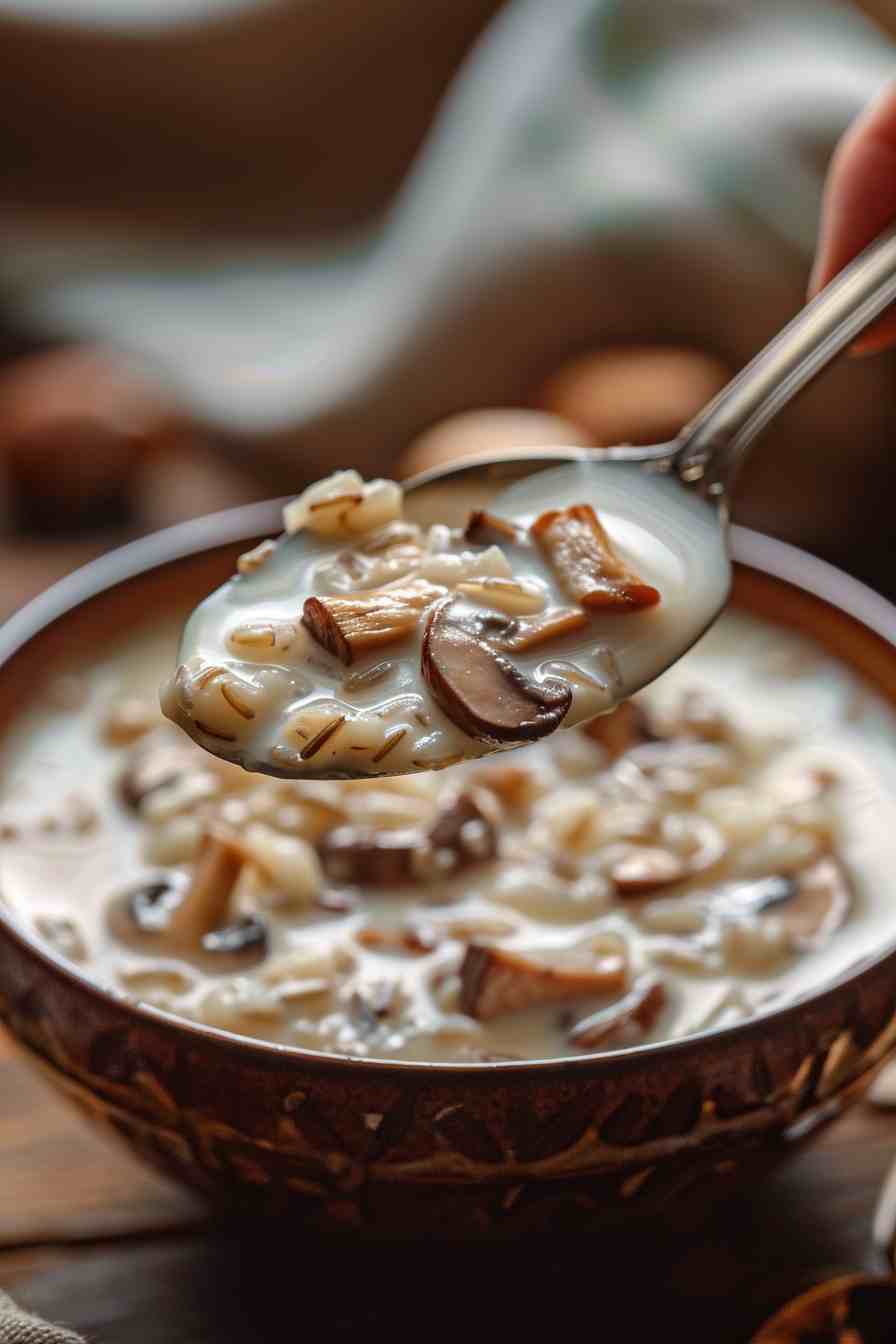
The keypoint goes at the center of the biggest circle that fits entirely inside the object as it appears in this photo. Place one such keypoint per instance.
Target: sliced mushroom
(461, 835)
(245, 936)
(586, 562)
(624, 727)
(349, 627)
(364, 856)
(521, 635)
(810, 905)
(624, 1022)
(487, 529)
(496, 981)
(465, 832)
(192, 917)
(481, 690)
(150, 904)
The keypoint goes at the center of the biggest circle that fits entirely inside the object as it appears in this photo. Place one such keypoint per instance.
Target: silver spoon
(676, 492)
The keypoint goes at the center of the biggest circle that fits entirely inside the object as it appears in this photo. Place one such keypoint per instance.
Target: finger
(859, 202)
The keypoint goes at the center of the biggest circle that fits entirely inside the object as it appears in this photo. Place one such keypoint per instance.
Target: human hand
(859, 203)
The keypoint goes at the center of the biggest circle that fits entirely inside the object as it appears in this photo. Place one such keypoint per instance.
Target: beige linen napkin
(19, 1327)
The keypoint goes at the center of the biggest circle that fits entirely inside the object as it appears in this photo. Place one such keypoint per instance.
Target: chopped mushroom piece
(349, 626)
(809, 906)
(487, 529)
(623, 728)
(206, 901)
(482, 691)
(624, 1022)
(819, 906)
(192, 916)
(461, 835)
(586, 563)
(495, 981)
(521, 635)
(365, 856)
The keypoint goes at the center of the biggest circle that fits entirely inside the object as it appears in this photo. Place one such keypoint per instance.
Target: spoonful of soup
(394, 629)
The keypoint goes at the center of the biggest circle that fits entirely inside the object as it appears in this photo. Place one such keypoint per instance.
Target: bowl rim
(767, 555)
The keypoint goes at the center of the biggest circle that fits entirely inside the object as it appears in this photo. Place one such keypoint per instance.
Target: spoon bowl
(658, 518)
(681, 533)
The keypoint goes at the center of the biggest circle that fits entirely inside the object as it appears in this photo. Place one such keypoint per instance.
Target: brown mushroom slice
(487, 529)
(811, 905)
(350, 626)
(192, 916)
(481, 690)
(624, 727)
(461, 835)
(521, 635)
(645, 869)
(586, 562)
(364, 856)
(624, 1022)
(496, 981)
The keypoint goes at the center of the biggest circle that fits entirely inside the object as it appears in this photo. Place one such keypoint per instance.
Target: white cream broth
(790, 764)
(255, 686)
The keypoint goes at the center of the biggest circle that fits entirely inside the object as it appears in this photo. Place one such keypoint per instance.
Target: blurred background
(244, 242)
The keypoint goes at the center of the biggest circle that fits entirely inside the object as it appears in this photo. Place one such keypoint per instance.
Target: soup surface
(362, 643)
(711, 848)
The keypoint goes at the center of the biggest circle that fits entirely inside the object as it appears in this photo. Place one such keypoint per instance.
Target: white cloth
(602, 170)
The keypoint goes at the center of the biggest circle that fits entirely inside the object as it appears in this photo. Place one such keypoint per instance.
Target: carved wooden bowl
(497, 1148)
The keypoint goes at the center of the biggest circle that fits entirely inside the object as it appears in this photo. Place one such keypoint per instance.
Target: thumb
(859, 202)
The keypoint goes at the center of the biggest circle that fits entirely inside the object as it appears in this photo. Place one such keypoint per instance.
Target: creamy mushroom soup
(709, 849)
(363, 644)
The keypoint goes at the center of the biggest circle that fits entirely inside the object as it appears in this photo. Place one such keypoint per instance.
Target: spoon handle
(711, 448)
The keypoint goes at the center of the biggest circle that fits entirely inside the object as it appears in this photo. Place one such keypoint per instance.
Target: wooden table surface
(89, 1237)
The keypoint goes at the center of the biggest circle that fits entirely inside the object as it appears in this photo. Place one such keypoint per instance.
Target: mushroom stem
(206, 901)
